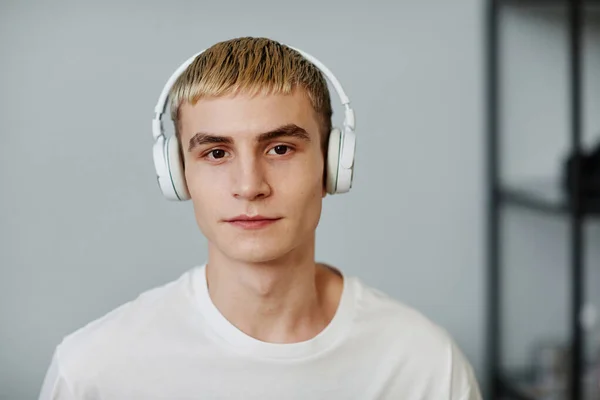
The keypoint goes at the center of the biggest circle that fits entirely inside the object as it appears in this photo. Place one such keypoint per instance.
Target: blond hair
(252, 66)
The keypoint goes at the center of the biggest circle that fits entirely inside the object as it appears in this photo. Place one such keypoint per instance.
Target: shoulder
(424, 348)
(379, 309)
(97, 345)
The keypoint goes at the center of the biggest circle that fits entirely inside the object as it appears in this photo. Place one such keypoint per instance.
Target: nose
(250, 182)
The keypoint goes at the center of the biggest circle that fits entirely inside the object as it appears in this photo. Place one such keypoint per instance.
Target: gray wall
(82, 224)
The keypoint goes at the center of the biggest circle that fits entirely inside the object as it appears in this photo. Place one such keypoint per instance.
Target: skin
(264, 281)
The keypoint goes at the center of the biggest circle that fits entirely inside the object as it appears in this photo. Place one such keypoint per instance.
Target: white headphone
(169, 166)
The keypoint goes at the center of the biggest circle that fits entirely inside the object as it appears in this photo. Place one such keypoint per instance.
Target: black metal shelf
(521, 385)
(546, 196)
(517, 387)
(587, 4)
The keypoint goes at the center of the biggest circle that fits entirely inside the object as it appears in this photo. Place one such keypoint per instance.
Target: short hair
(252, 65)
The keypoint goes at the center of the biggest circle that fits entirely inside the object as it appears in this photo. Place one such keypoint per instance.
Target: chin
(255, 251)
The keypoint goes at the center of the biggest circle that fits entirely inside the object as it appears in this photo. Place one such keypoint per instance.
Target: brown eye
(218, 153)
(280, 150)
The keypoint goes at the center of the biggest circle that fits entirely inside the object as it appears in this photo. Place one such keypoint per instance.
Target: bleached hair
(252, 65)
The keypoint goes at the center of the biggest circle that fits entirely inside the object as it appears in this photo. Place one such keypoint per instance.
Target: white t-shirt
(171, 342)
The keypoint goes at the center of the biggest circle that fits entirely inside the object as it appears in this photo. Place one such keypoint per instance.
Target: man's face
(254, 157)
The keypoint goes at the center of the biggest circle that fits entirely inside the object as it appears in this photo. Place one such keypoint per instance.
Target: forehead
(245, 115)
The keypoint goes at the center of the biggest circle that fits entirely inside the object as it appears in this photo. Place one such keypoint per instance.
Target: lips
(254, 222)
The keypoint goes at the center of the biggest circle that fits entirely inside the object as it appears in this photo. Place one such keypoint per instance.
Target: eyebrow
(288, 130)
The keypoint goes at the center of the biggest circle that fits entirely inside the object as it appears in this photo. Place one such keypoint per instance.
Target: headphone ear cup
(345, 172)
(175, 169)
(333, 160)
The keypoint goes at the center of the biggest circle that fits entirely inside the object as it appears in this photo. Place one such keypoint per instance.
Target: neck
(280, 301)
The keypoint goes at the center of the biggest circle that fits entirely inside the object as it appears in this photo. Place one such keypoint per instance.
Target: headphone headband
(159, 109)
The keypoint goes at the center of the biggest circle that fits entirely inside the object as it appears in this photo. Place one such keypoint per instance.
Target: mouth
(257, 222)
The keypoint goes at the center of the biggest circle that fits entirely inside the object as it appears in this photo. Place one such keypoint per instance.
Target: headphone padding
(175, 168)
(333, 159)
(346, 163)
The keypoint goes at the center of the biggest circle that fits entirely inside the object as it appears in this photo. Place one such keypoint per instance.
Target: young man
(261, 319)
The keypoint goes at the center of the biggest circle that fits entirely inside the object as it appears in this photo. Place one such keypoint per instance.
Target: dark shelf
(545, 196)
(584, 3)
(548, 197)
(516, 388)
(591, 7)
(519, 385)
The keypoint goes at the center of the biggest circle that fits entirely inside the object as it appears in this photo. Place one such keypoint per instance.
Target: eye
(280, 149)
(216, 154)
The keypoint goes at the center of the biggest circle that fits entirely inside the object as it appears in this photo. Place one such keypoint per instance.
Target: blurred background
(467, 113)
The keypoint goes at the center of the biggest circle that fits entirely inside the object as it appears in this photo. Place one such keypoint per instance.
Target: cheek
(205, 180)
(207, 190)
(301, 185)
